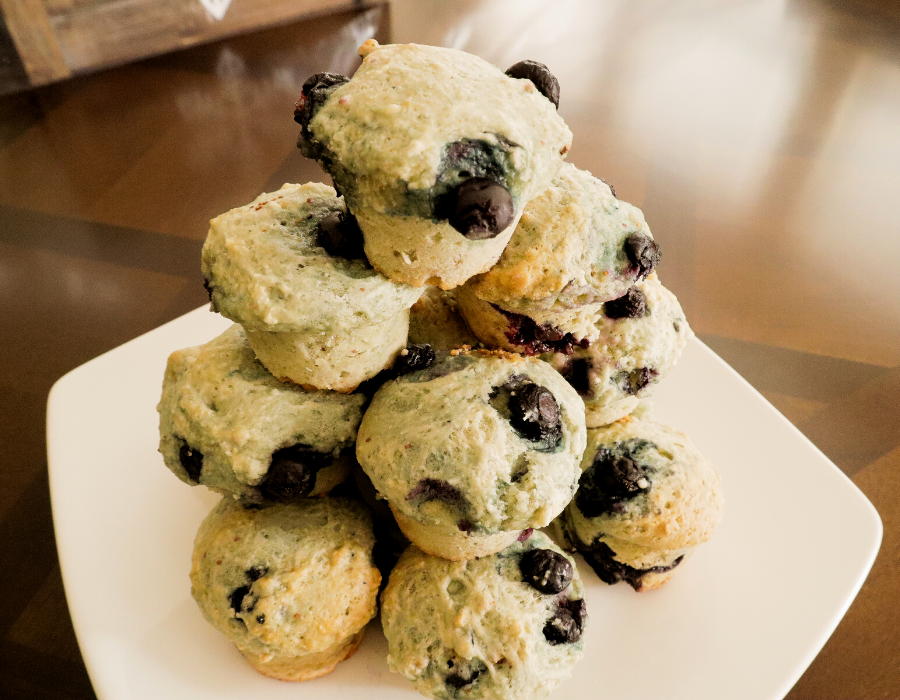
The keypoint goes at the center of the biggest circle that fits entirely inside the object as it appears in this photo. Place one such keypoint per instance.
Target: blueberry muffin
(640, 337)
(436, 152)
(575, 244)
(227, 423)
(505, 627)
(435, 320)
(292, 586)
(290, 268)
(539, 331)
(472, 447)
(646, 499)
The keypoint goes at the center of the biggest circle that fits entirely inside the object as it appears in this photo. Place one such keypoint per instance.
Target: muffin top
(293, 260)
(575, 244)
(505, 626)
(414, 121)
(224, 420)
(638, 339)
(286, 580)
(645, 483)
(481, 441)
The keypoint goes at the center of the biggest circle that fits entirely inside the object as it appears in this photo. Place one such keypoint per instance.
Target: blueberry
(577, 373)
(436, 490)
(567, 623)
(609, 483)
(546, 570)
(339, 234)
(540, 75)
(466, 673)
(261, 619)
(633, 304)
(532, 338)
(191, 460)
(254, 573)
(534, 413)
(414, 358)
(236, 597)
(635, 381)
(478, 208)
(643, 253)
(209, 292)
(313, 95)
(602, 560)
(292, 473)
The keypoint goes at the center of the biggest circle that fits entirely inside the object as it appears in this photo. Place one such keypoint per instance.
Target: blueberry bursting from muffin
(551, 573)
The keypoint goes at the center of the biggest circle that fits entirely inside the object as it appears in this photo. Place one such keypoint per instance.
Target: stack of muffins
(461, 329)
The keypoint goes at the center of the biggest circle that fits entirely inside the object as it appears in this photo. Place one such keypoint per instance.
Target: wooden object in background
(56, 39)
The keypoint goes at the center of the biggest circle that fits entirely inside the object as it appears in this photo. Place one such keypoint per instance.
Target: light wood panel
(59, 38)
(31, 30)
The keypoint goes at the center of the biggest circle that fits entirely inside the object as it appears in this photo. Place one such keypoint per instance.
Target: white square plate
(743, 619)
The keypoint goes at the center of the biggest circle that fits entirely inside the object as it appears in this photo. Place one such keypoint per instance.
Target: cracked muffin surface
(646, 498)
(277, 264)
(225, 422)
(476, 441)
(486, 628)
(289, 585)
(575, 244)
(418, 137)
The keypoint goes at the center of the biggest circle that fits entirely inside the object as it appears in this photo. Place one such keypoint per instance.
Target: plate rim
(90, 655)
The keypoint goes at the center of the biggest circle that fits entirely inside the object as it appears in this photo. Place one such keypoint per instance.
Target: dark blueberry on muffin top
(436, 490)
(633, 304)
(610, 482)
(643, 253)
(546, 570)
(413, 358)
(479, 208)
(292, 473)
(534, 412)
(540, 75)
(192, 461)
(313, 96)
(236, 597)
(339, 234)
(567, 623)
(635, 381)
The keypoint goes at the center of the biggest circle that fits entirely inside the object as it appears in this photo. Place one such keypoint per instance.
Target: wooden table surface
(760, 138)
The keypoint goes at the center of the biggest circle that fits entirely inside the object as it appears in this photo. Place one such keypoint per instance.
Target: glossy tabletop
(761, 138)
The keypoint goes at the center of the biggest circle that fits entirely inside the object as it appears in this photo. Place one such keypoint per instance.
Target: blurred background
(761, 138)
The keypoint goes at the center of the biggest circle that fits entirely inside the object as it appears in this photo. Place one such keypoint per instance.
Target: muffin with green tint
(227, 423)
(646, 499)
(472, 447)
(290, 268)
(576, 244)
(509, 626)
(639, 338)
(292, 586)
(437, 152)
